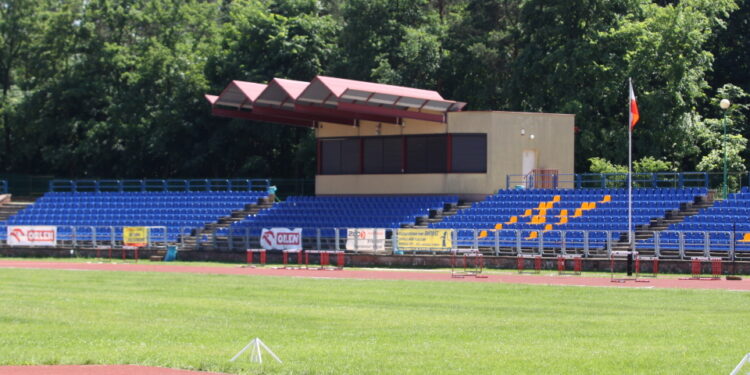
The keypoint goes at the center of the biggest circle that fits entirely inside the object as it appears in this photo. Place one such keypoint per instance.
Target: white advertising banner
(32, 235)
(365, 239)
(281, 239)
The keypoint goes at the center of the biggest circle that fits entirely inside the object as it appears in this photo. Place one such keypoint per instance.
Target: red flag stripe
(634, 116)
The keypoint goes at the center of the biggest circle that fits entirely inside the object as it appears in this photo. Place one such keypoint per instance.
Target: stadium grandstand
(96, 211)
(400, 160)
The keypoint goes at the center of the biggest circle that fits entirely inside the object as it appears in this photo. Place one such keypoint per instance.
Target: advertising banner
(366, 239)
(32, 235)
(425, 239)
(281, 239)
(135, 236)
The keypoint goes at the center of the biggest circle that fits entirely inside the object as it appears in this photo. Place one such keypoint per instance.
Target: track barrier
(285, 254)
(624, 256)
(134, 249)
(562, 261)
(640, 261)
(466, 263)
(325, 259)
(261, 257)
(696, 268)
(100, 249)
(522, 259)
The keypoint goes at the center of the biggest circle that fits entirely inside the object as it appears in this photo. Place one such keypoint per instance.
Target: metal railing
(98, 186)
(612, 180)
(86, 236)
(511, 242)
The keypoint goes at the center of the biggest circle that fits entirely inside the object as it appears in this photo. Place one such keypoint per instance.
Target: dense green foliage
(107, 88)
(327, 326)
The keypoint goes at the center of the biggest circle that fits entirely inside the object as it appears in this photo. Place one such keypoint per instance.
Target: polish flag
(634, 116)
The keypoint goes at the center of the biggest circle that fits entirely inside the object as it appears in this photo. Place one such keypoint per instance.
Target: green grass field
(327, 326)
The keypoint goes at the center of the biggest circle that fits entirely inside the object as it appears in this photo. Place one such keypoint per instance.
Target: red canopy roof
(329, 99)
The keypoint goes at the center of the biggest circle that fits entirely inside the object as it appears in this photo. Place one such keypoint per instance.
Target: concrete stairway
(191, 242)
(644, 232)
(436, 216)
(11, 208)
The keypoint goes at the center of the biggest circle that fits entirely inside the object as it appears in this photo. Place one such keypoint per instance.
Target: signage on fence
(365, 239)
(135, 236)
(425, 239)
(281, 239)
(35, 235)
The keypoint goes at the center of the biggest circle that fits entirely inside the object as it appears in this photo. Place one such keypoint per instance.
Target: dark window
(330, 155)
(469, 153)
(373, 155)
(425, 154)
(350, 156)
(339, 156)
(393, 153)
(382, 155)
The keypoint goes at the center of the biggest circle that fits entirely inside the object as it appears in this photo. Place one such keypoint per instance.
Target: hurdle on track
(623, 255)
(100, 249)
(521, 260)
(470, 264)
(124, 250)
(696, 268)
(562, 261)
(325, 259)
(285, 258)
(640, 261)
(261, 257)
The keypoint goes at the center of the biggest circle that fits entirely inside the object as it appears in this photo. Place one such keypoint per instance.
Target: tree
(19, 22)
(577, 56)
(729, 46)
(382, 35)
(482, 46)
(260, 41)
(708, 135)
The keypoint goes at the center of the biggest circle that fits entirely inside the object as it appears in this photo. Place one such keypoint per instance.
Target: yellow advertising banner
(425, 239)
(135, 236)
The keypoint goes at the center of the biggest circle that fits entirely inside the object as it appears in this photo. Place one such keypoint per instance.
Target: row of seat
(174, 210)
(520, 210)
(344, 212)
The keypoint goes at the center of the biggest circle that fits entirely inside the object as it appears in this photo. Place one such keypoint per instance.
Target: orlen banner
(281, 239)
(34, 235)
(365, 239)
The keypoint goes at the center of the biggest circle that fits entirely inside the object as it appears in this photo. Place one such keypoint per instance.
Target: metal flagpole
(630, 177)
(630, 167)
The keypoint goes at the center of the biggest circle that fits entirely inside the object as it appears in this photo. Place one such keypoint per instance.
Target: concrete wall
(552, 142)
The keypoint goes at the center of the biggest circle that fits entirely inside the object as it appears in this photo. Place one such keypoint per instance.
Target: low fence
(678, 245)
(611, 180)
(94, 236)
(587, 243)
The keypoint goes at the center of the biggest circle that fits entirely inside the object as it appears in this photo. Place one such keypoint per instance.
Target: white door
(528, 163)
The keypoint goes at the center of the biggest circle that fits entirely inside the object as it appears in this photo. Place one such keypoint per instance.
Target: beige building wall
(548, 137)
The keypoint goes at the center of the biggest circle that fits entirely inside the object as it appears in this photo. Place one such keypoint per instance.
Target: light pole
(724, 104)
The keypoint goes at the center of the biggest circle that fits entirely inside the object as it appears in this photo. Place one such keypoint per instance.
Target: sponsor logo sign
(135, 236)
(365, 239)
(33, 235)
(425, 239)
(281, 239)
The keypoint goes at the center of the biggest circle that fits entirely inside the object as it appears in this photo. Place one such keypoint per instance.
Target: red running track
(742, 285)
